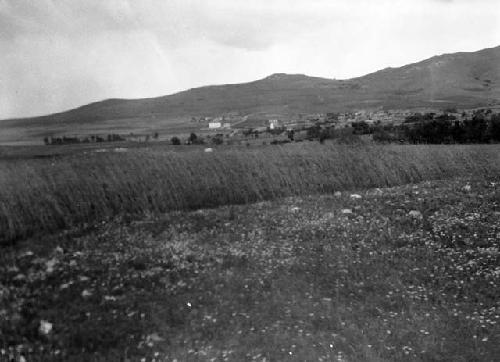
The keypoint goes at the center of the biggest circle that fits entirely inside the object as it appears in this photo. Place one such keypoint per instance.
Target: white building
(213, 125)
(273, 123)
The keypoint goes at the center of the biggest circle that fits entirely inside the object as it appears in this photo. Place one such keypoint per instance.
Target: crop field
(79, 189)
(301, 252)
(408, 273)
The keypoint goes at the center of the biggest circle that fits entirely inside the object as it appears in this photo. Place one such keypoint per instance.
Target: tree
(361, 127)
(217, 140)
(175, 141)
(247, 132)
(192, 138)
(475, 129)
(458, 132)
(313, 131)
(495, 127)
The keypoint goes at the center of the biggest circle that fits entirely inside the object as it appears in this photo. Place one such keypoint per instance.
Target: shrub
(217, 140)
(193, 138)
(495, 127)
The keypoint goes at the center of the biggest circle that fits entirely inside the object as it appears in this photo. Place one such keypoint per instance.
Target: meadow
(79, 189)
(408, 273)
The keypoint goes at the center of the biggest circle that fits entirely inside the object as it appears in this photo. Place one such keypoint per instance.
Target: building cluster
(253, 125)
(263, 123)
(223, 122)
(235, 126)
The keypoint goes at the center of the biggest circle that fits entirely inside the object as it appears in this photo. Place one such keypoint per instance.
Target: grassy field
(18, 132)
(408, 273)
(48, 194)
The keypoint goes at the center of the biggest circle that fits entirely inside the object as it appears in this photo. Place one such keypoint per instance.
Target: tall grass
(46, 195)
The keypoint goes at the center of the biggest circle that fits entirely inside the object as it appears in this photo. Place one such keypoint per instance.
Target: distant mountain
(451, 80)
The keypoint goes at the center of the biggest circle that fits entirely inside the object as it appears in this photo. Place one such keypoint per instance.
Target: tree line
(194, 139)
(482, 126)
(67, 140)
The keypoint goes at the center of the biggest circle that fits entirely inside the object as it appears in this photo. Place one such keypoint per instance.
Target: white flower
(45, 327)
(415, 214)
(50, 264)
(154, 337)
(65, 285)
(26, 254)
(86, 293)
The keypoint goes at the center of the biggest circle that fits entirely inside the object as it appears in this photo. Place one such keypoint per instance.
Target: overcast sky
(59, 54)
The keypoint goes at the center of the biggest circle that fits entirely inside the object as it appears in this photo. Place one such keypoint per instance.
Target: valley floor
(403, 273)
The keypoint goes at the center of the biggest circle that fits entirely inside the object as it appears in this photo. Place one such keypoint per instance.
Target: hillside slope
(458, 79)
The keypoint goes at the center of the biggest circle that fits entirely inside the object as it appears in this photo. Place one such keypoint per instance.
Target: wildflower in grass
(415, 214)
(45, 327)
(86, 293)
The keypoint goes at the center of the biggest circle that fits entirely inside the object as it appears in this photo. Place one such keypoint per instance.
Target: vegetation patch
(402, 273)
(45, 195)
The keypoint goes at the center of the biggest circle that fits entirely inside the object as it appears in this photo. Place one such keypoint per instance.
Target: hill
(450, 80)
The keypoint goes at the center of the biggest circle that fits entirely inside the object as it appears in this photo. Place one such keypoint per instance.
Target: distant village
(388, 125)
(264, 123)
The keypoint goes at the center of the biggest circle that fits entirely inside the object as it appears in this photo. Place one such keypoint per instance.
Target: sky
(59, 54)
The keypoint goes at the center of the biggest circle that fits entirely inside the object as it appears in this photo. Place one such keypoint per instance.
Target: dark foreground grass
(408, 273)
(61, 192)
